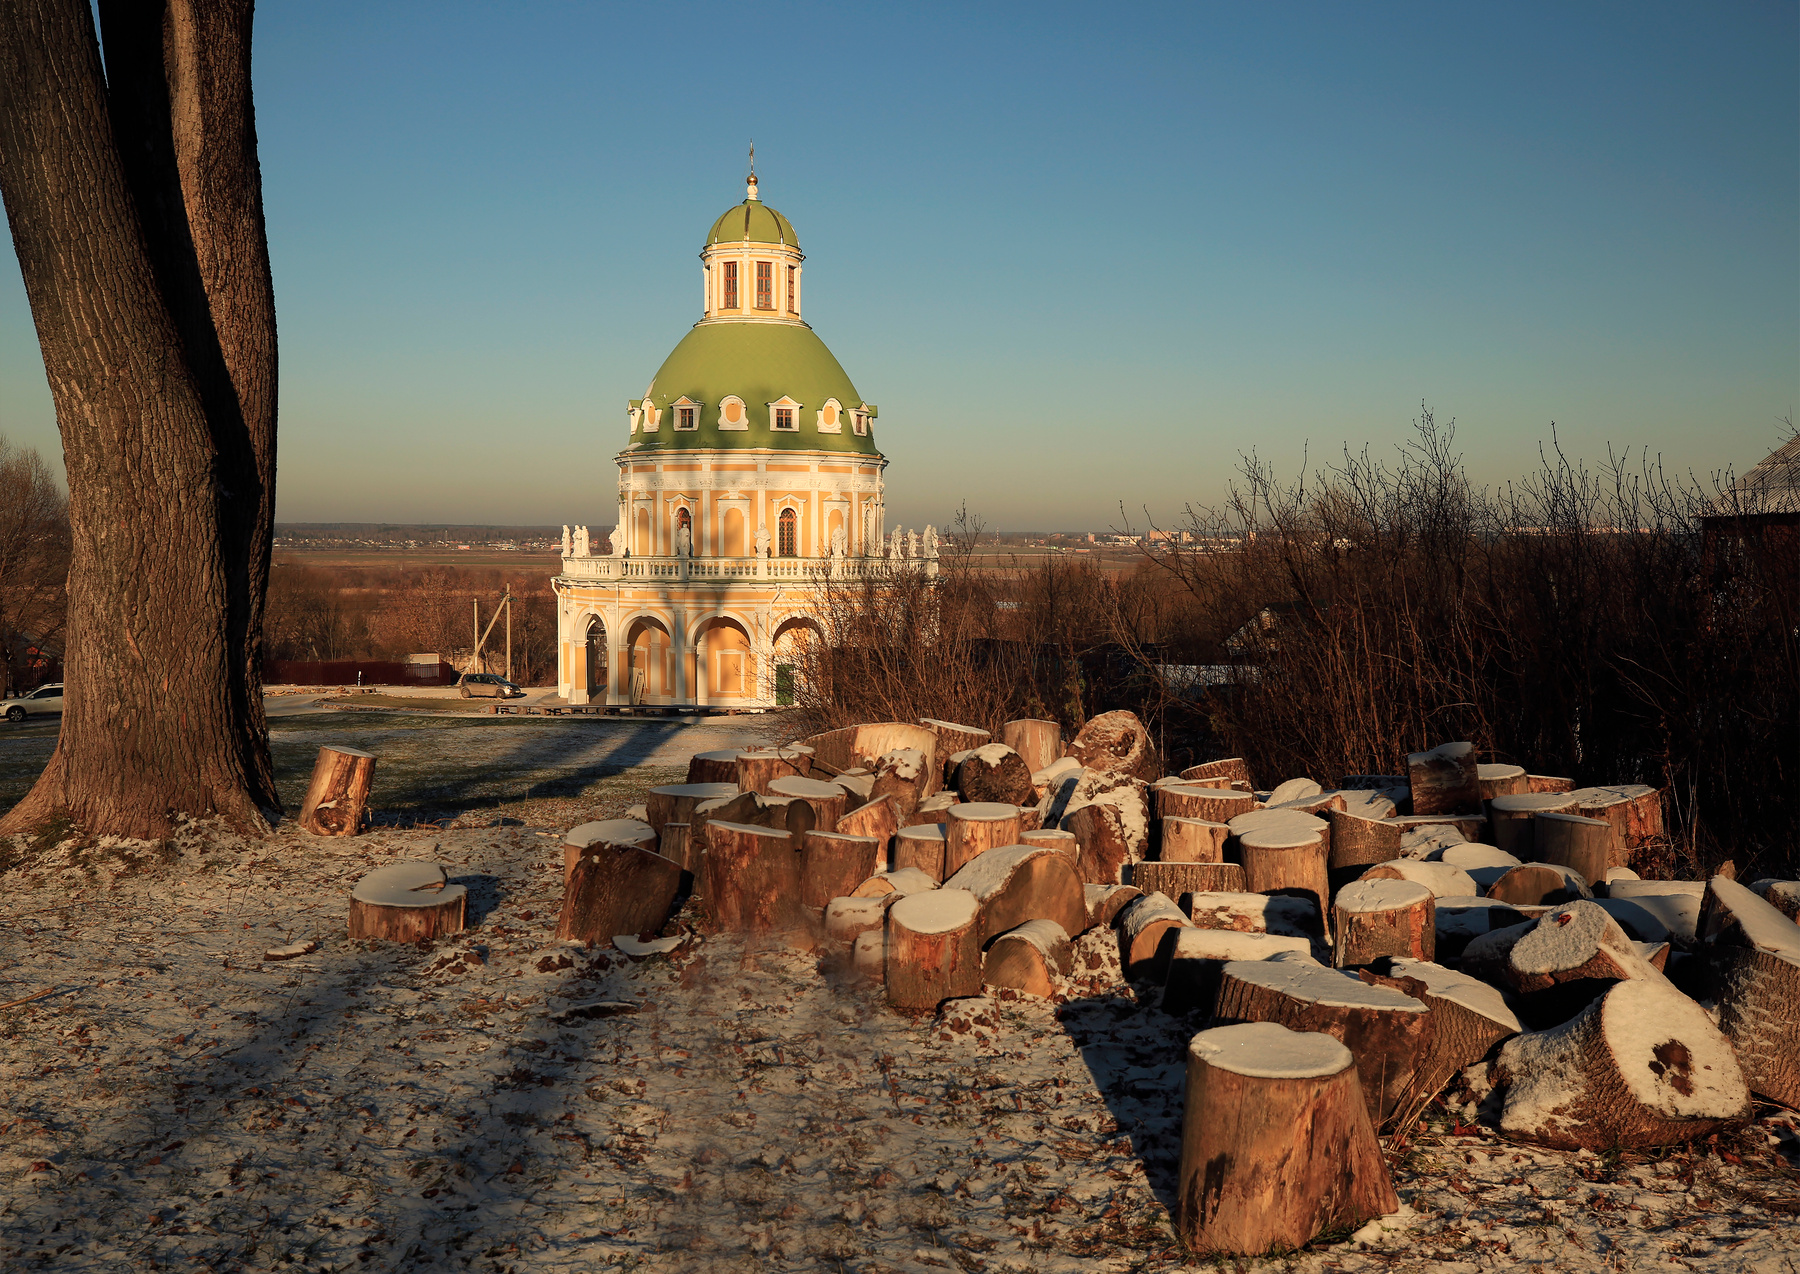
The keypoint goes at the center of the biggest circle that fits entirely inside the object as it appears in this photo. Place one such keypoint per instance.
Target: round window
(830, 414)
(733, 411)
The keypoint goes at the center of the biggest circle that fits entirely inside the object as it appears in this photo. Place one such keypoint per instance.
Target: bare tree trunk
(136, 213)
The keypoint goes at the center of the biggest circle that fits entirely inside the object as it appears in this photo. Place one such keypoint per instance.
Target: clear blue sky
(1078, 254)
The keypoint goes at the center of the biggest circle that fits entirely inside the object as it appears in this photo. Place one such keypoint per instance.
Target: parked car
(486, 685)
(42, 702)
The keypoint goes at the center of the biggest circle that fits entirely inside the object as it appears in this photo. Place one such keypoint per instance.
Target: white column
(702, 677)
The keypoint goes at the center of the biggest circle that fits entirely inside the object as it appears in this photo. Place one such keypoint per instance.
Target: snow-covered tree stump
(1582, 844)
(610, 831)
(1635, 811)
(617, 888)
(1444, 880)
(1176, 879)
(1279, 860)
(1501, 780)
(906, 776)
(676, 802)
(1242, 912)
(1754, 957)
(1031, 958)
(1039, 742)
(1276, 1143)
(1444, 780)
(953, 738)
(1358, 842)
(974, 827)
(1208, 804)
(933, 948)
(1468, 1017)
(1576, 943)
(407, 902)
(713, 767)
(338, 795)
(1375, 918)
(1783, 895)
(1548, 783)
(1539, 885)
(751, 879)
(994, 773)
(1641, 1066)
(828, 800)
(905, 880)
(1109, 837)
(1232, 772)
(1389, 1032)
(848, 918)
(1145, 935)
(1197, 959)
(759, 767)
(921, 847)
(877, 818)
(1193, 840)
(1117, 743)
(1016, 883)
(832, 864)
(1055, 838)
(1510, 820)
(1105, 902)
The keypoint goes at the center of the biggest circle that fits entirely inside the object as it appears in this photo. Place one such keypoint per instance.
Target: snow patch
(935, 910)
(1268, 1050)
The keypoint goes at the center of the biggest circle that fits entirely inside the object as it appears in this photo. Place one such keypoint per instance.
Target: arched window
(789, 526)
(682, 518)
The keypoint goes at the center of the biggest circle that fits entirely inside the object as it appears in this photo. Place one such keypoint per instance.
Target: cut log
(836, 751)
(1675, 903)
(790, 814)
(1641, 1066)
(676, 802)
(1635, 811)
(906, 776)
(1442, 879)
(1294, 790)
(933, 948)
(407, 902)
(1031, 819)
(617, 889)
(1372, 919)
(1501, 780)
(859, 788)
(1239, 912)
(1576, 942)
(1510, 819)
(1176, 879)
(878, 818)
(847, 919)
(1277, 860)
(1117, 743)
(833, 864)
(1388, 1032)
(1468, 1018)
(1297, 822)
(1539, 884)
(611, 831)
(1105, 902)
(1639, 923)
(1032, 958)
(676, 845)
(1276, 1148)
(827, 799)
(1055, 838)
(975, 827)
(868, 954)
(1359, 843)
(1232, 772)
(1016, 883)
(921, 847)
(1547, 783)
(1474, 827)
(1754, 956)
(994, 773)
(338, 795)
(1461, 921)
(1481, 863)
(713, 767)
(952, 738)
(759, 767)
(1783, 895)
(1585, 845)
(1209, 804)
(1105, 846)
(1197, 958)
(907, 880)
(751, 880)
(1193, 840)
(1039, 742)
(933, 809)
(1444, 780)
(1146, 936)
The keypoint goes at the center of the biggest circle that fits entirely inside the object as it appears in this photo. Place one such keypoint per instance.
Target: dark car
(486, 685)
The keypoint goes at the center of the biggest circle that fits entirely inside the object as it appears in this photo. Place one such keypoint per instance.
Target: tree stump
(1358, 843)
(1276, 1147)
(1233, 772)
(1675, 903)
(1193, 840)
(1039, 742)
(1482, 864)
(407, 902)
(611, 831)
(713, 767)
(1278, 860)
(1110, 837)
(933, 948)
(1510, 820)
(1444, 880)
(751, 879)
(1055, 838)
(868, 954)
(1375, 918)
(827, 799)
(617, 889)
(1444, 780)
(676, 845)
(1539, 884)
(995, 773)
(952, 738)
(1176, 879)
(973, 827)
(338, 796)
(1208, 804)
(1016, 883)
(759, 767)
(676, 802)
(904, 775)
(933, 809)
(1197, 960)
(1032, 958)
(921, 847)
(1574, 943)
(1105, 902)
(1584, 845)
(1387, 1031)
(790, 814)
(1783, 895)
(1635, 811)
(1146, 935)
(1117, 743)
(1460, 921)
(833, 864)
(1548, 783)
(1501, 780)
(1754, 956)
(1474, 827)
(1031, 819)
(1641, 1066)
(906, 880)
(1468, 1017)
(858, 787)
(1292, 790)
(847, 919)
(877, 818)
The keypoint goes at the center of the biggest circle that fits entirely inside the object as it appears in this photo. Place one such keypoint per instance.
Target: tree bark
(933, 948)
(1017, 883)
(1468, 1017)
(1584, 845)
(921, 847)
(1117, 743)
(759, 767)
(1358, 843)
(1277, 861)
(1502, 780)
(1105, 902)
(338, 796)
(135, 204)
(951, 739)
(848, 918)
(617, 889)
(1376, 918)
(1233, 772)
(1754, 954)
(1038, 742)
(832, 865)
(1209, 804)
(1276, 1145)
(1176, 879)
(1106, 844)
(751, 879)
(1055, 838)
(676, 802)
(976, 827)
(1032, 958)
(876, 818)
(713, 767)
(1510, 820)
(905, 776)
(1193, 840)
(827, 799)
(1146, 934)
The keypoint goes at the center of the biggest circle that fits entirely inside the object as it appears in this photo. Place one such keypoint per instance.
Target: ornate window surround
(836, 410)
(687, 409)
(787, 404)
(725, 404)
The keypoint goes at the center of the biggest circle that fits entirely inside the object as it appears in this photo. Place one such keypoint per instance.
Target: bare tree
(135, 203)
(34, 555)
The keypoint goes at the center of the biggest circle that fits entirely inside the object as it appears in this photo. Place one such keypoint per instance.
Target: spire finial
(751, 184)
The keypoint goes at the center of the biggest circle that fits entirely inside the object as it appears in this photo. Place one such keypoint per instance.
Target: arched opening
(792, 638)
(641, 546)
(734, 534)
(684, 531)
(730, 666)
(650, 670)
(788, 543)
(596, 658)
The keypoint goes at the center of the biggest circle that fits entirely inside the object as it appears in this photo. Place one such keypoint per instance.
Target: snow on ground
(180, 1102)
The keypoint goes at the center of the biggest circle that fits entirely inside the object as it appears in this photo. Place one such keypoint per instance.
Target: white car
(42, 702)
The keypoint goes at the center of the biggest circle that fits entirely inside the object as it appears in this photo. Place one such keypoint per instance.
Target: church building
(750, 475)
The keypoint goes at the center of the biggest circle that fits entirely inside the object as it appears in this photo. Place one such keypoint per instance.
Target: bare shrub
(34, 559)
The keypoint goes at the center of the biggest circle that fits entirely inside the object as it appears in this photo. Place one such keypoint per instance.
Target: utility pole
(507, 602)
(475, 636)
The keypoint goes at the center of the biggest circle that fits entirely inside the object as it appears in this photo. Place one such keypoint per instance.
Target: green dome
(759, 363)
(755, 221)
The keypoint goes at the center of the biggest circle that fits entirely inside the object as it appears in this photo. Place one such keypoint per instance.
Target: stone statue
(568, 544)
(893, 545)
(930, 541)
(581, 541)
(684, 540)
(912, 543)
(840, 543)
(762, 541)
(618, 541)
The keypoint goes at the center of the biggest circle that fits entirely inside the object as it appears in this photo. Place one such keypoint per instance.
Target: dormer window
(784, 414)
(859, 421)
(784, 417)
(793, 291)
(831, 417)
(730, 302)
(687, 414)
(732, 414)
(765, 285)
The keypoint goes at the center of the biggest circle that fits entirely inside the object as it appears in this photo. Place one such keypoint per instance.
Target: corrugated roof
(1773, 486)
